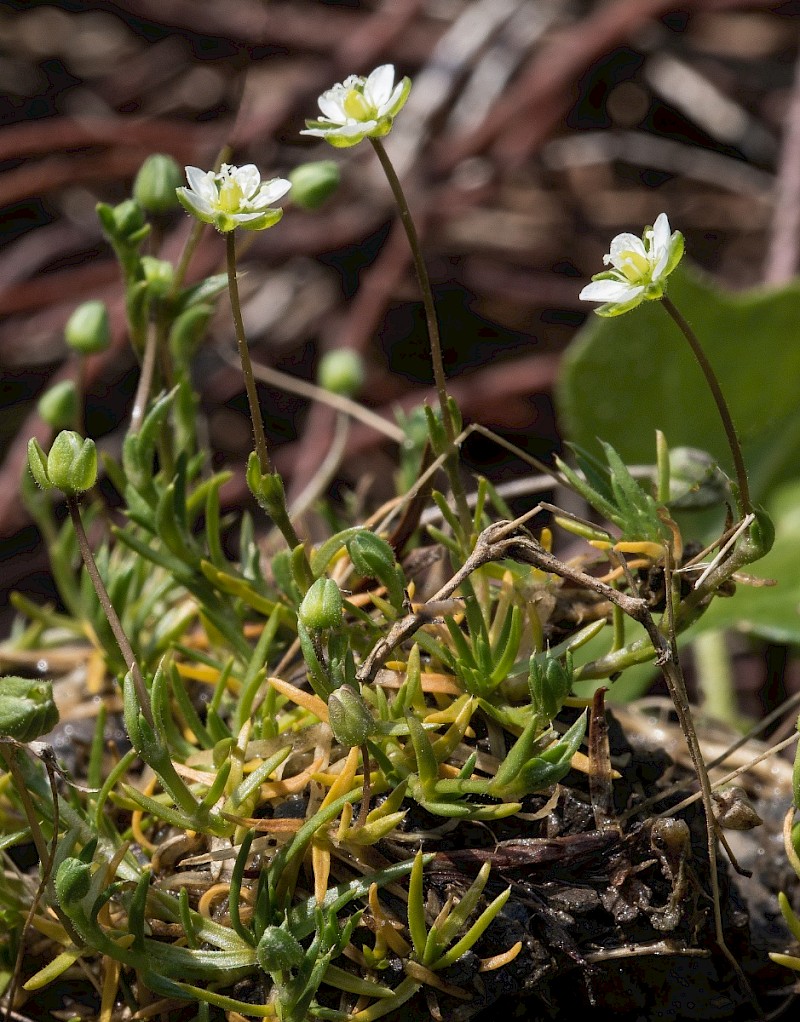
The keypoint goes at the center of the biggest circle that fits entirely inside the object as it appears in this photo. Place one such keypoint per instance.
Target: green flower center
(230, 196)
(355, 106)
(634, 266)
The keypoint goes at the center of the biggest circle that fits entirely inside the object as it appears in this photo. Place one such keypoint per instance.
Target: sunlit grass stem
(743, 495)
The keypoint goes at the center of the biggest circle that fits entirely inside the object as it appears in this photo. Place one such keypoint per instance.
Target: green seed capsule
(312, 183)
(72, 463)
(72, 882)
(87, 330)
(27, 708)
(322, 605)
(341, 372)
(155, 184)
(350, 718)
(58, 406)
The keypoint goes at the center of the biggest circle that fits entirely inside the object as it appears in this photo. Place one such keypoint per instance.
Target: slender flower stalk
(108, 609)
(365, 107)
(743, 489)
(231, 198)
(424, 283)
(244, 356)
(434, 339)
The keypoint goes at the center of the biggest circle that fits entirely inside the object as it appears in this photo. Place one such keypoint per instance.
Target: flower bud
(58, 406)
(155, 184)
(27, 709)
(71, 465)
(267, 487)
(312, 183)
(87, 330)
(341, 372)
(127, 218)
(549, 684)
(37, 463)
(73, 880)
(322, 605)
(278, 950)
(159, 274)
(349, 716)
(372, 557)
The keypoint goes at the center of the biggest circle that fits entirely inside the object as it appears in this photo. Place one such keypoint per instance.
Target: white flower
(235, 197)
(359, 108)
(640, 269)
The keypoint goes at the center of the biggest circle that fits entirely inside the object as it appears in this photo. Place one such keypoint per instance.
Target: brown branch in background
(298, 28)
(539, 100)
(53, 134)
(784, 237)
(377, 34)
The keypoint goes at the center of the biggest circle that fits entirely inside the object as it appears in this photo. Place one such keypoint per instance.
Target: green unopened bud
(278, 950)
(549, 684)
(87, 329)
(322, 605)
(27, 708)
(58, 406)
(37, 463)
(128, 218)
(159, 274)
(372, 557)
(341, 372)
(350, 718)
(312, 183)
(266, 487)
(71, 465)
(155, 184)
(73, 880)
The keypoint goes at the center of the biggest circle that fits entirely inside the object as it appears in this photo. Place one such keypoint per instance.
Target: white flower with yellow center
(234, 197)
(359, 108)
(640, 269)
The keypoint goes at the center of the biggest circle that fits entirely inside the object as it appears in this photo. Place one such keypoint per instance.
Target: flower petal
(674, 252)
(619, 308)
(266, 219)
(193, 204)
(620, 245)
(202, 183)
(378, 86)
(271, 191)
(199, 203)
(248, 178)
(343, 139)
(397, 100)
(330, 103)
(660, 237)
(243, 218)
(609, 291)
